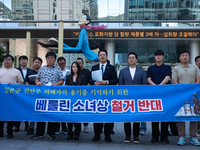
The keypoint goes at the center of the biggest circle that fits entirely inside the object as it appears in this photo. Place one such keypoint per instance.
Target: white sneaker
(86, 129)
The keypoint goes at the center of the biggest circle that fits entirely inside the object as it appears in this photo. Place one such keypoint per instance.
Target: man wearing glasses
(9, 75)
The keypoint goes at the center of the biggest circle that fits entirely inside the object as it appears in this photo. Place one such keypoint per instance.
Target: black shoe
(30, 131)
(52, 137)
(136, 140)
(108, 139)
(165, 141)
(10, 135)
(96, 138)
(127, 139)
(69, 137)
(112, 132)
(76, 137)
(153, 140)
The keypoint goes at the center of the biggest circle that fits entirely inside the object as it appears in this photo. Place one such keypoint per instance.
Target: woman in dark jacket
(75, 79)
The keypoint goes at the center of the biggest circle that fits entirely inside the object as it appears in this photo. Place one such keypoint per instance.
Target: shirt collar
(185, 66)
(52, 67)
(103, 64)
(24, 69)
(160, 65)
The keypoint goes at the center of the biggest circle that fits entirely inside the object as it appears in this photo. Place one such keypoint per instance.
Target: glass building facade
(142, 14)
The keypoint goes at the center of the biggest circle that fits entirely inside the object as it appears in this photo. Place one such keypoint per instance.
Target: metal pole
(13, 49)
(60, 39)
(28, 47)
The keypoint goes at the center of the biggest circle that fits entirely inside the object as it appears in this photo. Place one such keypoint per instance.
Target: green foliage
(2, 53)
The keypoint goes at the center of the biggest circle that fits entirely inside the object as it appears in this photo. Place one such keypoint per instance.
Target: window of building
(54, 4)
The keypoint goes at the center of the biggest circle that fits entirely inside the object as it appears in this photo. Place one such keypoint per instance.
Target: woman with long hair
(75, 79)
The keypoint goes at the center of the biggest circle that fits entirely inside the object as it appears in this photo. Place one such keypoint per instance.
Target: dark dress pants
(77, 130)
(50, 129)
(155, 130)
(9, 127)
(173, 127)
(107, 129)
(63, 124)
(17, 124)
(136, 129)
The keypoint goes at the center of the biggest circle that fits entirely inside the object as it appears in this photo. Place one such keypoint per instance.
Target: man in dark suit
(132, 75)
(23, 60)
(109, 77)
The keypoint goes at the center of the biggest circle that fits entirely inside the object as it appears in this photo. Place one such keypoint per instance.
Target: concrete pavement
(21, 141)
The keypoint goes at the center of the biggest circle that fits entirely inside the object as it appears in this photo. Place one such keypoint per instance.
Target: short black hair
(38, 58)
(50, 54)
(158, 52)
(103, 50)
(61, 58)
(133, 54)
(79, 58)
(183, 51)
(6, 56)
(196, 58)
(23, 57)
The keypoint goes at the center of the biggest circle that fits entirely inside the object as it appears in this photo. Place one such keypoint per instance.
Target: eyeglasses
(102, 54)
(61, 64)
(131, 58)
(7, 59)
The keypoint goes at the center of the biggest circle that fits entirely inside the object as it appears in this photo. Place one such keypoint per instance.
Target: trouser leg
(32, 125)
(173, 127)
(1, 127)
(57, 125)
(193, 129)
(63, 125)
(17, 123)
(40, 128)
(181, 129)
(107, 129)
(10, 125)
(70, 128)
(77, 130)
(51, 128)
(127, 129)
(155, 130)
(143, 126)
(98, 128)
(164, 130)
(136, 129)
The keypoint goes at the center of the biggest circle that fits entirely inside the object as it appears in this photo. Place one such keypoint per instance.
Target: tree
(2, 53)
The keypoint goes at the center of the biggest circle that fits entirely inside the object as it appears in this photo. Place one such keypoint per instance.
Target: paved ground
(21, 141)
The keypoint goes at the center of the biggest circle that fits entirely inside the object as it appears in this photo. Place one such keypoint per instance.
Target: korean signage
(98, 103)
(140, 34)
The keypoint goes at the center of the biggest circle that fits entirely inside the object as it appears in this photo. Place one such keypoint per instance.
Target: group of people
(53, 75)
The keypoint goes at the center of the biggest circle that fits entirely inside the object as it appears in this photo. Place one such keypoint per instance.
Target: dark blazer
(109, 74)
(126, 79)
(83, 80)
(28, 70)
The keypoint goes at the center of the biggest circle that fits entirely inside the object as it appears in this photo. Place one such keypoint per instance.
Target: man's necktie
(102, 70)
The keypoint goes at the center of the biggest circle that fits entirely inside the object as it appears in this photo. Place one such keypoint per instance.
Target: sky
(110, 7)
(7, 3)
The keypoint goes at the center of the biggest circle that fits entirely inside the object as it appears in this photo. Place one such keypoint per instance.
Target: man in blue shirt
(159, 74)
